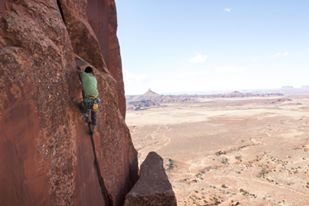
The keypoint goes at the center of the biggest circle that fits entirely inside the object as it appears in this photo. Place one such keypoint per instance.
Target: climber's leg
(93, 118)
(85, 109)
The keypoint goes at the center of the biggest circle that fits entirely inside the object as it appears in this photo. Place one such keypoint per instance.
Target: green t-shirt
(89, 83)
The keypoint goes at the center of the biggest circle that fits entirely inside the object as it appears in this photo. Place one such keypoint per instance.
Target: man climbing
(90, 104)
(90, 101)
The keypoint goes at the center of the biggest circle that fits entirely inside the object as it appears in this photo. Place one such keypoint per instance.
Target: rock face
(153, 187)
(102, 18)
(46, 153)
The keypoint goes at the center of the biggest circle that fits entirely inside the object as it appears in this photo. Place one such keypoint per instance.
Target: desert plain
(230, 151)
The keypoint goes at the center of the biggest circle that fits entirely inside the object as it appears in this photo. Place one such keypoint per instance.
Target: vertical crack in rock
(106, 196)
(81, 63)
(60, 10)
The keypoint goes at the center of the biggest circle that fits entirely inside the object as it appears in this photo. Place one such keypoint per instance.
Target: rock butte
(45, 152)
(160, 193)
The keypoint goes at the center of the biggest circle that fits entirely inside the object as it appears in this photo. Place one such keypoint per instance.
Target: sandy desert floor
(230, 151)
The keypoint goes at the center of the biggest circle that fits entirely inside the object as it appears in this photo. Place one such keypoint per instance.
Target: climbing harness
(91, 103)
(95, 104)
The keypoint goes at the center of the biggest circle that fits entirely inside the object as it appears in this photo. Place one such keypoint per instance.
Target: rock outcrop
(153, 188)
(46, 153)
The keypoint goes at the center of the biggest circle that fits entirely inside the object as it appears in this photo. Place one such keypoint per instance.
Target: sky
(181, 46)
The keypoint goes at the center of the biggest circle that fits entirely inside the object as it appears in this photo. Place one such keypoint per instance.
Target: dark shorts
(86, 108)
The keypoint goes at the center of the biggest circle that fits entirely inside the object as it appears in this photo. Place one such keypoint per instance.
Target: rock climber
(90, 103)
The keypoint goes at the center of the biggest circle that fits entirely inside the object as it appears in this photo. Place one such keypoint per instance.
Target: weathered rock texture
(45, 152)
(153, 188)
(104, 23)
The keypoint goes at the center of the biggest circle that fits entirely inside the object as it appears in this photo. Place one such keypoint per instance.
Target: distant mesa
(152, 99)
(150, 93)
(236, 92)
(141, 102)
(290, 90)
(287, 86)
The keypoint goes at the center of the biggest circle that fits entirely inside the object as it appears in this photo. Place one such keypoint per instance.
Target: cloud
(198, 59)
(281, 54)
(228, 10)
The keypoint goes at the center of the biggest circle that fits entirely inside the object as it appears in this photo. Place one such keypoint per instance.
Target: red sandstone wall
(45, 152)
(103, 19)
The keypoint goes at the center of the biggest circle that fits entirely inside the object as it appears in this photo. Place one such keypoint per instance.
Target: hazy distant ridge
(153, 99)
